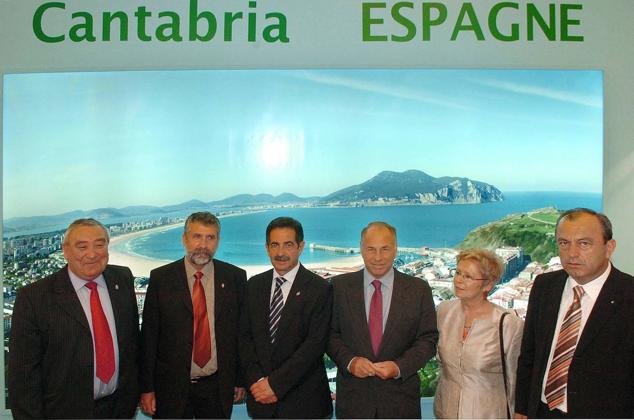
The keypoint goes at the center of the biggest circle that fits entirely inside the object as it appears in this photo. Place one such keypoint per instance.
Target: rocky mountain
(413, 187)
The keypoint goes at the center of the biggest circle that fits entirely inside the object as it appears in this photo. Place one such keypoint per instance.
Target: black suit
(294, 364)
(51, 367)
(167, 335)
(409, 339)
(601, 375)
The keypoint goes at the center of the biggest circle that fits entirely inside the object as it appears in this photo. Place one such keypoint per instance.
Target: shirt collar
(593, 287)
(290, 276)
(387, 280)
(78, 282)
(208, 269)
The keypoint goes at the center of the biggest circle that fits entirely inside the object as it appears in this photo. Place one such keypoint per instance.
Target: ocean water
(242, 237)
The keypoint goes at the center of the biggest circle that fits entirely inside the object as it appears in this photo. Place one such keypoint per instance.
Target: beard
(200, 256)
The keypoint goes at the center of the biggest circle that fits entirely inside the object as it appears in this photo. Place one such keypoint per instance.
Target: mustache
(200, 256)
(281, 258)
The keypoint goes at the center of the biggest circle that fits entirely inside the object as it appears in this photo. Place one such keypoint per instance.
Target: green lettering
(37, 22)
(169, 31)
(566, 21)
(229, 19)
(367, 22)
(474, 25)
(141, 14)
(251, 22)
(82, 31)
(123, 25)
(428, 22)
(493, 22)
(408, 24)
(194, 18)
(532, 16)
(280, 27)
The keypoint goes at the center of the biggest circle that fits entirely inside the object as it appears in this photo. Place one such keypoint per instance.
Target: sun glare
(275, 150)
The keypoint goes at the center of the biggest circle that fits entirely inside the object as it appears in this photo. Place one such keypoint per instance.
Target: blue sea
(242, 237)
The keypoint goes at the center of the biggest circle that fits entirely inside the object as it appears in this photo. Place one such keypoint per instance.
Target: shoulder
(626, 279)
(168, 268)
(42, 286)
(548, 280)
(412, 282)
(118, 270)
(314, 280)
(448, 306)
(510, 319)
(343, 281)
(260, 278)
(223, 266)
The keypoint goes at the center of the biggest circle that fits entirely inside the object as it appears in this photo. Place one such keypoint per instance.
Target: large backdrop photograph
(452, 158)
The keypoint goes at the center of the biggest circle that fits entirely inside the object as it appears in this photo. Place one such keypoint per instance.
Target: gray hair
(203, 217)
(85, 222)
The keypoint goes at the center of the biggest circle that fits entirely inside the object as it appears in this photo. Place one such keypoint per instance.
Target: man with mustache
(577, 356)
(284, 340)
(189, 336)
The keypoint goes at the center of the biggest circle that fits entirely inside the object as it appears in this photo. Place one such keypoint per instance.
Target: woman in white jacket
(471, 381)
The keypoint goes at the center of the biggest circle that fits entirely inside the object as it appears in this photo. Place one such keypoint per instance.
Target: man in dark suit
(577, 357)
(189, 337)
(285, 338)
(74, 339)
(383, 331)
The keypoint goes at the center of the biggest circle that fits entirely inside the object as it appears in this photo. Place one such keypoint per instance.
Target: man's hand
(262, 392)
(386, 370)
(362, 367)
(519, 416)
(148, 403)
(238, 394)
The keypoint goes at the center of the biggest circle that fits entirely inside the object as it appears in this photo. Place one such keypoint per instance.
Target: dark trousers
(203, 401)
(543, 412)
(105, 407)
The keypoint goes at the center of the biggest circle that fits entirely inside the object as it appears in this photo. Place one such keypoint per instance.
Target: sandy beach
(141, 265)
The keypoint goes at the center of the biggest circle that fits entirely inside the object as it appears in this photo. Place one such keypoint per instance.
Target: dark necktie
(104, 349)
(557, 381)
(375, 320)
(202, 337)
(277, 303)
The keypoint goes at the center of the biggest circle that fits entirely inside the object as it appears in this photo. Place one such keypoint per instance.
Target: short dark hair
(385, 225)
(89, 221)
(286, 222)
(572, 214)
(203, 217)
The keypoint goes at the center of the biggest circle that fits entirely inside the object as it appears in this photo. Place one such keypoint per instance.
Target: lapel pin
(222, 285)
(612, 302)
(116, 287)
(298, 293)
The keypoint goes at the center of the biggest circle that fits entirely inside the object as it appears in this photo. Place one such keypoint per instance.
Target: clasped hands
(262, 391)
(362, 368)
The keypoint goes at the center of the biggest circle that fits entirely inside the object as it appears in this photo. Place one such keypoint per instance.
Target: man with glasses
(577, 357)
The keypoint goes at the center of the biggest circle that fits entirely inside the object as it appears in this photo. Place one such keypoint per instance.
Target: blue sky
(87, 140)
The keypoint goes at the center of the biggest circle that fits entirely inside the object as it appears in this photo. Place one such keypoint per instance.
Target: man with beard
(189, 344)
(285, 338)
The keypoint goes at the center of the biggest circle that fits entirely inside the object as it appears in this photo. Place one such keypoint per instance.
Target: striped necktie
(277, 303)
(557, 381)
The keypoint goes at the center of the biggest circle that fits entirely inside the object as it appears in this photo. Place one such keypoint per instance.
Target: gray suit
(409, 339)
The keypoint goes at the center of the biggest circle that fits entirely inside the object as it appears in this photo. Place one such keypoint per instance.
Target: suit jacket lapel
(67, 299)
(182, 288)
(550, 310)
(112, 282)
(604, 308)
(356, 304)
(292, 305)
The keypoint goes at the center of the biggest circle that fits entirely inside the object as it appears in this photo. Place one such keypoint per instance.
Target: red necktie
(375, 320)
(202, 337)
(104, 349)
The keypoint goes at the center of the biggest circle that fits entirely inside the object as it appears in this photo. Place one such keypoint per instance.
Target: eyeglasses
(467, 277)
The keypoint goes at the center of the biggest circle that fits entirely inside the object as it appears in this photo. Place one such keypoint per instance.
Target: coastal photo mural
(451, 158)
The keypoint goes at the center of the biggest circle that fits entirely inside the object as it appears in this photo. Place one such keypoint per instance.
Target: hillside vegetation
(533, 231)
